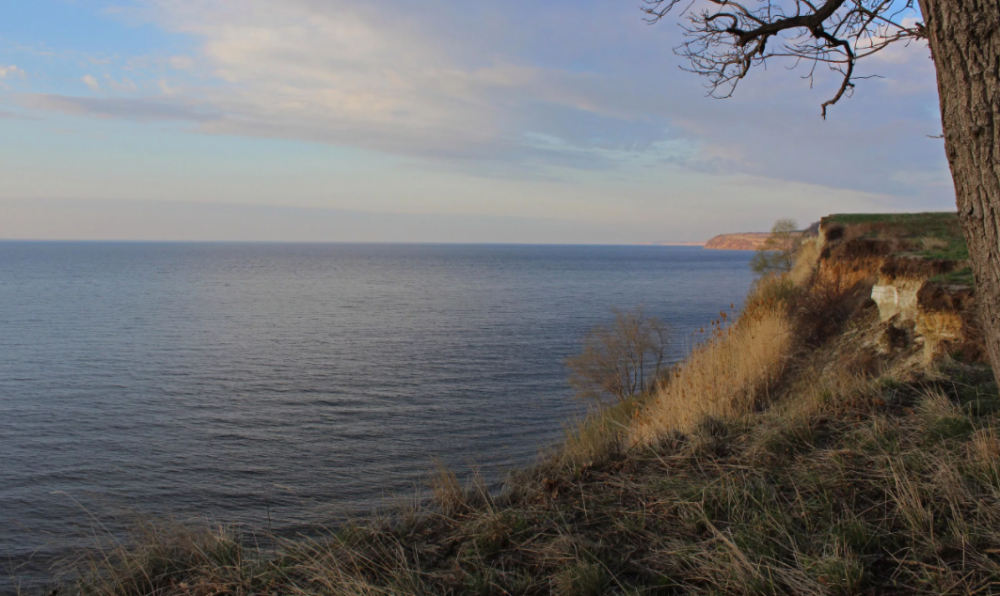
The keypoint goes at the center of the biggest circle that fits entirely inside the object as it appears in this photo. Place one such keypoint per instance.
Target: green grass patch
(937, 224)
(951, 427)
(959, 277)
(932, 235)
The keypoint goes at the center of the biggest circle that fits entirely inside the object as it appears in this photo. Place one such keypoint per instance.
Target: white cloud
(181, 62)
(126, 85)
(139, 109)
(11, 71)
(91, 82)
(342, 73)
(522, 88)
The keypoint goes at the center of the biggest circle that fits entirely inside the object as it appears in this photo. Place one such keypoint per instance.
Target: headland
(837, 434)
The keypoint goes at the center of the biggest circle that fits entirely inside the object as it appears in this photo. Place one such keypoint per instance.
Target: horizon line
(342, 242)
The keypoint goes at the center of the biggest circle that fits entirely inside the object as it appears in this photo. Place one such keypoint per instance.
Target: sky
(439, 121)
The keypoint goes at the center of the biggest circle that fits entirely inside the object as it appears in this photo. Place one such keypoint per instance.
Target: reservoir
(283, 387)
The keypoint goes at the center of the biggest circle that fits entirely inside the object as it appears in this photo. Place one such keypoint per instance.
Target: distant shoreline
(741, 241)
(738, 241)
(670, 244)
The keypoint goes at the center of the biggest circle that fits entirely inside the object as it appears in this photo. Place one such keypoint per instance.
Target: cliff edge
(743, 241)
(915, 269)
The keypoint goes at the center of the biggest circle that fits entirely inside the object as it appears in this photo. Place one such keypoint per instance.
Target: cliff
(915, 269)
(839, 434)
(744, 241)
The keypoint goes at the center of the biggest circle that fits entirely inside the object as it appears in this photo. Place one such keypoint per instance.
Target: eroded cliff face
(897, 298)
(939, 316)
(913, 306)
(744, 241)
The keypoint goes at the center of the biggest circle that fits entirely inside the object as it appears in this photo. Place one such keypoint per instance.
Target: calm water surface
(229, 381)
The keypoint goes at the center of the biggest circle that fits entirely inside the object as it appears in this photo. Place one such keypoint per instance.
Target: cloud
(91, 82)
(181, 62)
(137, 109)
(125, 85)
(13, 116)
(521, 88)
(341, 73)
(11, 72)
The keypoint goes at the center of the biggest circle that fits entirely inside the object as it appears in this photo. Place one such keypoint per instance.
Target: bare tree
(725, 39)
(621, 360)
(777, 254)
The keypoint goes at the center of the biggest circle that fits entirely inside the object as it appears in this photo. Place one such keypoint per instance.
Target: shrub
(622, 360)
(777, 254)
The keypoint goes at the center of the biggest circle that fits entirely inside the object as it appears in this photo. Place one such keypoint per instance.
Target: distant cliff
(745, 241)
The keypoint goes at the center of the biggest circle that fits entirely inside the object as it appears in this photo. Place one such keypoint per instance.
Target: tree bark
(964, 37)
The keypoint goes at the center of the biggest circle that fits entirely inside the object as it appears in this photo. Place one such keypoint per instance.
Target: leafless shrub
(821, 312)
(621, 360)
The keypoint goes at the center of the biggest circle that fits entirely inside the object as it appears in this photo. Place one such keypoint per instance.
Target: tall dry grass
(730, 374)
(158, 557)
(806, 261)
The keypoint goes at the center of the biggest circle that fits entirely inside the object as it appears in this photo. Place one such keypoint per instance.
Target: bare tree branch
(725, 39)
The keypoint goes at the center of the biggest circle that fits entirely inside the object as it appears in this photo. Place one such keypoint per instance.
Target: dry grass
(731, 374)
(865, 492)
(806, 261)
(160, 556)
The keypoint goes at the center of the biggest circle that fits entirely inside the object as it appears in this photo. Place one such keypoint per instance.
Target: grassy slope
(942, 225)
(840, 470)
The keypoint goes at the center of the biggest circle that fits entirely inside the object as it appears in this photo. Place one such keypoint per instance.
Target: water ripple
(229, 381)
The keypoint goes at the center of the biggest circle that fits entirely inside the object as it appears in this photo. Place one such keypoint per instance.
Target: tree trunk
(964, 38)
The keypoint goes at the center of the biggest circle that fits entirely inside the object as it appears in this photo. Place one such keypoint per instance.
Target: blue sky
(452, 121)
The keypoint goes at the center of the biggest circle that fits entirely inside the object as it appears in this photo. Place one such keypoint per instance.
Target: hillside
(821, 443)
(744, 241)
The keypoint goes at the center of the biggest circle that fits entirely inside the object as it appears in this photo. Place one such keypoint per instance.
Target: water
(301, 382)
